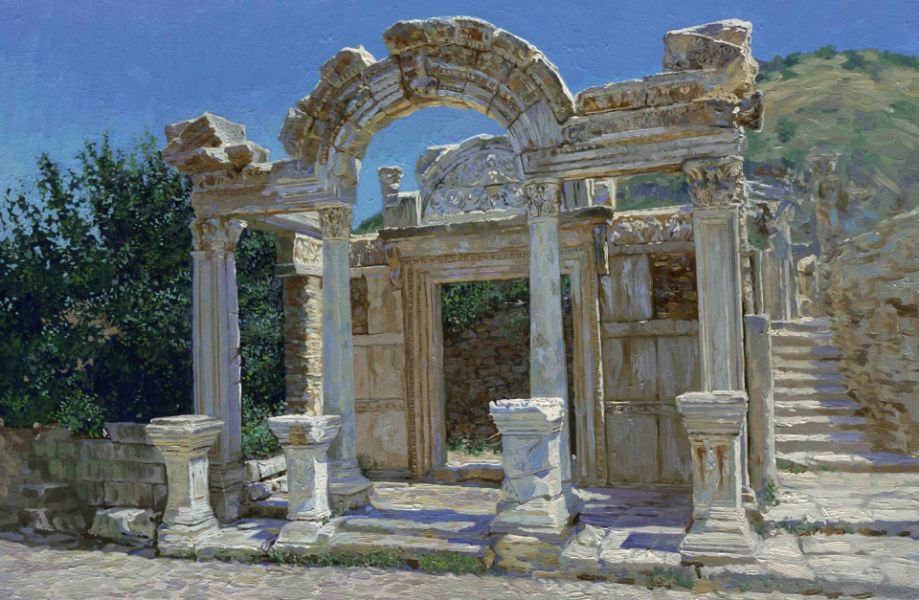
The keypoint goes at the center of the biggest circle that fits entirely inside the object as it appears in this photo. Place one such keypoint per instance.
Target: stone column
(305, 440)
(548, 374)
(184, 441)
(348, 486)
(720, 532)
(533, 512)
(761, 420)
(216, 357)
(715, 420)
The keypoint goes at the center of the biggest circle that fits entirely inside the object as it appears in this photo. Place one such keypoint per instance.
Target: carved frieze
(216, 234)
(651, 227)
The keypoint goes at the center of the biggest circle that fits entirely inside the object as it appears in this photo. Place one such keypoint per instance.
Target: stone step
(453, 528)
(796, 379)
(801, 352)
(835, 441)
(801, 338)
(828, 391)
(818, 324)
(59, 496)
(49, 520)
(409, 547)
(273, 507)
(832, 406)
(863, 462)
(795, 365)
(818, 424)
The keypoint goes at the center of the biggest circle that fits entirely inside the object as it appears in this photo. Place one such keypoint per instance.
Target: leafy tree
(826, 52)
(95, 295)
(785, 130)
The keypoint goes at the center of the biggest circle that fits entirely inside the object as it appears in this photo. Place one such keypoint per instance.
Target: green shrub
(900, 60)
(371, 224)
(826, 52)
(81, 414)
(785, 130)
(855, 61)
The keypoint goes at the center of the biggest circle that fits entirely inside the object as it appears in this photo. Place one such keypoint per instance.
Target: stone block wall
(126, 470)
(872, 295)
(649, 320)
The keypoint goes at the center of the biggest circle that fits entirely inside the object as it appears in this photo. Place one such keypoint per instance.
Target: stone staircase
(817, 424)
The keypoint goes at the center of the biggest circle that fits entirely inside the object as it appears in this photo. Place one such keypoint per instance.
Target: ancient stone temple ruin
(645, 441)
(656, 398)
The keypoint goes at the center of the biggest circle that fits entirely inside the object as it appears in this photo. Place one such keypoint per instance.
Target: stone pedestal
(720, 532)
(761, 420)
(305, 440)
(184, 441)
(532, 502)
(348, 486)
(216, 356)
(548, 374)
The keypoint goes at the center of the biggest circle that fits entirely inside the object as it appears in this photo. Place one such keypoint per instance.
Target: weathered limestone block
(210, 143)
(720, 532)
(124, 525)
(305, 440)
(761, 420)
(532, 502)
(184, 441)
(723, 45)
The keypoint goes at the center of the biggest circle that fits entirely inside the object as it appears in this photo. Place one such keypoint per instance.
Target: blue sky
(71, 69)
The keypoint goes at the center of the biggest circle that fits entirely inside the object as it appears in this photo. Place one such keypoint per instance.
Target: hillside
(863, 105)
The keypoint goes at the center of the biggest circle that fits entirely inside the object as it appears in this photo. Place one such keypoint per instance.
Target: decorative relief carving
(716, 182)
(601, 248)
(651, 227)
(478, 175)
(307, 250)
(216, 234)
(543, 197)
(335, 221)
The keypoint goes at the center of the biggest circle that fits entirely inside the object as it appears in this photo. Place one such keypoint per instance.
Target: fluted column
(348, 486)
(548, 374)
(715, 416)
(216, 357)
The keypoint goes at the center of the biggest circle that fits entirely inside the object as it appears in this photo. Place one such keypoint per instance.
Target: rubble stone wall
(873, 303)
(490, 361)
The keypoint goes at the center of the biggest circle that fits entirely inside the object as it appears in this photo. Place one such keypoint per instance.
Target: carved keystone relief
(480, 174)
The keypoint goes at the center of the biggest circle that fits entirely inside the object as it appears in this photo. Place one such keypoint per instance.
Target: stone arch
(455, 62)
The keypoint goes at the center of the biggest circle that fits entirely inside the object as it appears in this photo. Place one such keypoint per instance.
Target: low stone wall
(873, 303)
(125, 471)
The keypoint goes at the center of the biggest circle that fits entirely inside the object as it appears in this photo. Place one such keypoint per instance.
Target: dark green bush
(826, 52)
(855, 61)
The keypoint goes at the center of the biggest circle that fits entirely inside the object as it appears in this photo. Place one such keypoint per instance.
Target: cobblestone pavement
(46, 572)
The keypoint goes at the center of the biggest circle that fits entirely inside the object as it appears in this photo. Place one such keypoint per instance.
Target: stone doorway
(486, 357)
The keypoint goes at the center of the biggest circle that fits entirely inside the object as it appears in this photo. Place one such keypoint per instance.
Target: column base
(547, 519)
(226, 484)
(348, 488)
(722, 537)
(301, 537)
(180, 540)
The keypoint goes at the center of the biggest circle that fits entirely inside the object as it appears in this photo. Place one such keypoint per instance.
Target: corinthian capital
(542, 197)
(216, 234)
(335, 221)
(715, 182)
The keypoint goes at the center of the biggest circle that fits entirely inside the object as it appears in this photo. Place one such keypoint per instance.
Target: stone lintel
(720, 412)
